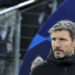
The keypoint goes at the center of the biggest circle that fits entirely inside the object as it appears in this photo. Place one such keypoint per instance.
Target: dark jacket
(52, 66)
(7, 3)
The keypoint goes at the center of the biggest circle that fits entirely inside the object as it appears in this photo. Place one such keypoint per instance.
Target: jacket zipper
(65, 70)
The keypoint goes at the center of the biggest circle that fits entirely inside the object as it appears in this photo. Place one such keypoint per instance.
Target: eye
(53, 39)
(62, 39)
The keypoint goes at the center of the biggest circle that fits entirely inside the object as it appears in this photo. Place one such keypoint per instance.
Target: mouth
(58, 51)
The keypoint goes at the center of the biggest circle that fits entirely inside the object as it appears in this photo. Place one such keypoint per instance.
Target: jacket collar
(65, 60)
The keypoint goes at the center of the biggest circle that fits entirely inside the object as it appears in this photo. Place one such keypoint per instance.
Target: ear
(74, 43)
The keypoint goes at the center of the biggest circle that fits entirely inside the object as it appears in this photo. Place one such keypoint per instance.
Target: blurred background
(17, 30)
(32, 19)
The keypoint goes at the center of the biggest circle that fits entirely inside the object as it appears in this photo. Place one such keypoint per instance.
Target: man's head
(36, 61)
(63, 38)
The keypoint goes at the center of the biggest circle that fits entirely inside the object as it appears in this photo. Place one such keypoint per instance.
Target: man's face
(62, 44)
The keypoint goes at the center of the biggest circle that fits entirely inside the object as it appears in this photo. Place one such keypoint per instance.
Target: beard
(58, 53)
(57, 56)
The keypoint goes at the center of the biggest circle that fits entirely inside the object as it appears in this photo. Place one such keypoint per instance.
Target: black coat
(52, 66)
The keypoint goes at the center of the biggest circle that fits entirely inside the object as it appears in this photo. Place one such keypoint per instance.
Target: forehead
(61, 33)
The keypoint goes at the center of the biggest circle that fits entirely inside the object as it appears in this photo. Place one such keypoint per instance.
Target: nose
(57, 43)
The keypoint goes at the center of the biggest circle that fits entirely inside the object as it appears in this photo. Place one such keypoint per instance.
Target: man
(61, 60)
(36, 61)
